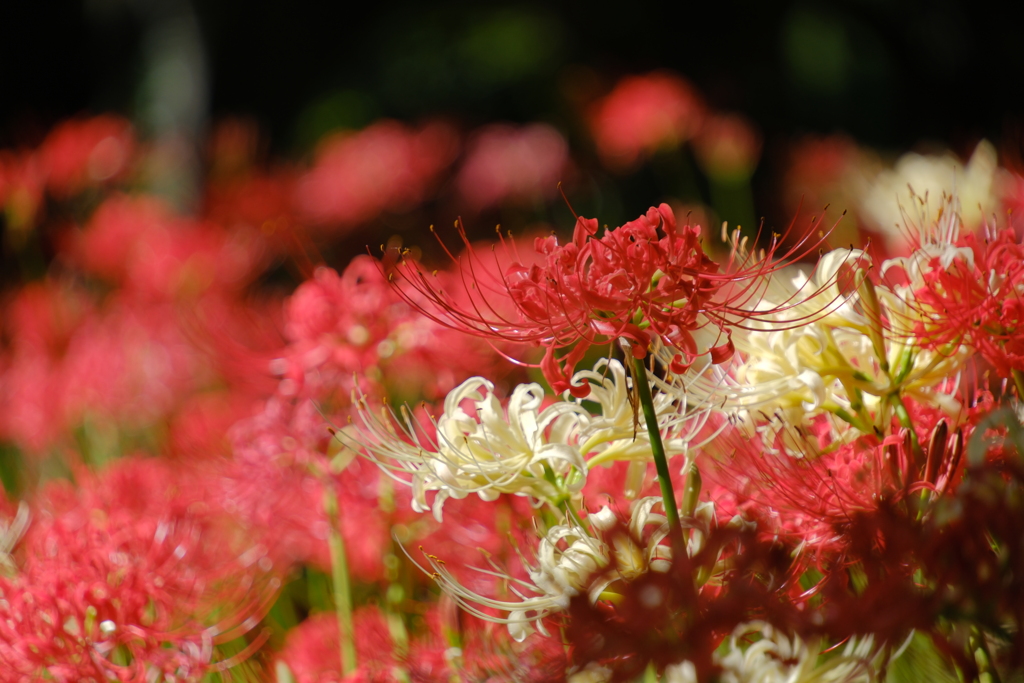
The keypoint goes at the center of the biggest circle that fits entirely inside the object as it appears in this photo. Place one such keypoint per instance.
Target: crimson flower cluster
(978, 299)
(646, 281)
(124, 580)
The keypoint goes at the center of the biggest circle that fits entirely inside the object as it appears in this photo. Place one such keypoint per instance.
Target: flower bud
(936, 451)
(873, 312)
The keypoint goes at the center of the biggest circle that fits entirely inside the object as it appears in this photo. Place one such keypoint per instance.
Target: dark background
(890, 74)
(893, 75)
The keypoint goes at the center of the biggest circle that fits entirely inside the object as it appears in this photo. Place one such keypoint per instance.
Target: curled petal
(816, 385)
(723, 352)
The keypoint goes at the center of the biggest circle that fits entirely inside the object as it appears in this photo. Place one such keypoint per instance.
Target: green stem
(668, 495)
(342, 590)
(855, 422)
(1018, 379)
(987, 668)
(904, 418)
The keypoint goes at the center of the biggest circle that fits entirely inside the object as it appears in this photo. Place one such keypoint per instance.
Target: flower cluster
(647, 282)
(229, 450)
(109, 583)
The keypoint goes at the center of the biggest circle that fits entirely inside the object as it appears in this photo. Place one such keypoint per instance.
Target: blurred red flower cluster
(215, 447)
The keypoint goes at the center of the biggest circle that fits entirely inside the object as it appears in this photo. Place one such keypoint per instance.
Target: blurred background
(893, 76)
(208, 157)
(188, 192)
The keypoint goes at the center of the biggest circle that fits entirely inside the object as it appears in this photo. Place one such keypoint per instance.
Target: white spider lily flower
(681, 672)
(777, 657)
(569, 561)
(521, 449)
(774, 657)
(592, 673)
(634, 554)
(10, 533)
(842, 348)
(928, 375)
(934, 239)
(567, 557)
(794, 365)
(918, 177)
(616, 432)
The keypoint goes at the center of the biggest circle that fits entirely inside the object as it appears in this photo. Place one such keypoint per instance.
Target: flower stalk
(987, 669)
(1018, 380)
(668, 495)
(340, 580)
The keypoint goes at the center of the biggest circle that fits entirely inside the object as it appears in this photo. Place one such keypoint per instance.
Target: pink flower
(275, 484)
(975, 299)
(77, 154)
(728, 147)
(644, 114)
(508, 164)
(386, 167)
(311, 650)
(124, 577)
(126, 363)
(356, 323)
(138, 243)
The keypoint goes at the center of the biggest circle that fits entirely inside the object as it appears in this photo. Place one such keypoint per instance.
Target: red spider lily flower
(973, 294)
(311, 650)
(489, 654)
(810, 497)
(140, 245)
(77, 154)
(126, 362)
(126, 580)
(960, 566)
(338, 325)
(644, 114)
(274, 482)
(647, 281)
(358, 175)
(728, 147)
(505, 164)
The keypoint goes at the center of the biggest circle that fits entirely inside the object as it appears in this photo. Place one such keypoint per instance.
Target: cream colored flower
(616, 431)
(759, 653)
(776, 658)
(845, 348)
(915, 188)
(793, 366)
(635, 555)
(481, 447)
(592, 673)
(10, 533)
(521, 449)
(569, 561)
(928, 375)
